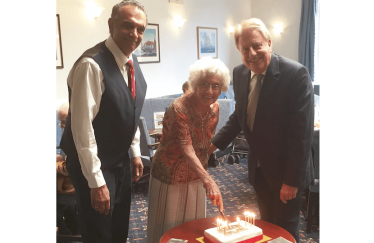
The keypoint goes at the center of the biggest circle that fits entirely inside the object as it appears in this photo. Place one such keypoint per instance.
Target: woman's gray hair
(135, 3)
(209, 66)
(252, 23)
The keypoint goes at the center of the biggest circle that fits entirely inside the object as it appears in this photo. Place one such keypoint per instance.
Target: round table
(195, 229)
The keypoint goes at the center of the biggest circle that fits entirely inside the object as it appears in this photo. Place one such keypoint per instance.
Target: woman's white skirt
(171, 205)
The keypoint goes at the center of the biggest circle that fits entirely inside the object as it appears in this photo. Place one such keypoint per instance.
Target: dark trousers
(96, 227)
(273, 210)
(67, 220)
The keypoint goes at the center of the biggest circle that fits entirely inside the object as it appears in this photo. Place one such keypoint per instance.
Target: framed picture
(59, 61)
(207, 42)
(157, 117)
(149, 50)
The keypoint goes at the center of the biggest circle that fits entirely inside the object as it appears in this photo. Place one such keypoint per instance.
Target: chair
(146, 149)
(313, 196)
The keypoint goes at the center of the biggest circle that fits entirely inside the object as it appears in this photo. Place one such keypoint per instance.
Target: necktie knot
(259, 76)
(129, 64)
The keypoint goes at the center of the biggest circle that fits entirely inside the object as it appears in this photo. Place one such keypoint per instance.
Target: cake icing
(246, 234)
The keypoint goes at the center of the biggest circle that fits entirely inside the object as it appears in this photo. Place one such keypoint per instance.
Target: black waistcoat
(116, 122)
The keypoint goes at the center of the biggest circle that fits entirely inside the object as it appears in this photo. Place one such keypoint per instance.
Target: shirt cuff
(135, 145)
(96, 180)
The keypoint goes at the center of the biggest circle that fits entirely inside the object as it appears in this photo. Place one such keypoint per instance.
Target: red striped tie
(131, 78)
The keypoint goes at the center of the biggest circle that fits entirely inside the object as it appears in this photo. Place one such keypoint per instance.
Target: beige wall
(286, 12)
(177, 46)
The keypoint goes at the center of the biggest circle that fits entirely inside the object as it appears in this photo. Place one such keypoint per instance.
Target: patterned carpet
(238, 196)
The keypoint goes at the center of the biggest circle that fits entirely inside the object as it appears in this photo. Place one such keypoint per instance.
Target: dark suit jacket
(283, 126)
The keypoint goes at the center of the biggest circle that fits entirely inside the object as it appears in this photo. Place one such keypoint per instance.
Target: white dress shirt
(86, 83)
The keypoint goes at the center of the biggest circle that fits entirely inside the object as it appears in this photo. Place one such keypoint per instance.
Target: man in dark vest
(106, 95)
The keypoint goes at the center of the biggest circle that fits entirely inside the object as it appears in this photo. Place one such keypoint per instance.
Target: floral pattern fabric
(182, 126)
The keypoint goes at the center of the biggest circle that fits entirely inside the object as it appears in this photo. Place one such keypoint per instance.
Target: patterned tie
(252, 101)
(131, 78)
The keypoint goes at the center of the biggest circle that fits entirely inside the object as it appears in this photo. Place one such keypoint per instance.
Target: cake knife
(223, 216)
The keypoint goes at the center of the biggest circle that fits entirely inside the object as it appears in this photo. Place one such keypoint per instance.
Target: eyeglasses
(215, 87)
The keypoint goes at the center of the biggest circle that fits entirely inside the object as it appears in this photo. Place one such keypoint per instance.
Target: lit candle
(217, 224)
(237, 219)
(245, 218)
(224, 227)
(254, 217)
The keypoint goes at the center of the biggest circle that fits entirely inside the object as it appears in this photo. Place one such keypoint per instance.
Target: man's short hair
(252, 23)
(63, 111)
(134, 3)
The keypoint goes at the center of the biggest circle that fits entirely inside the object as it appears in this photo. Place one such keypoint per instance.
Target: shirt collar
(120, 58)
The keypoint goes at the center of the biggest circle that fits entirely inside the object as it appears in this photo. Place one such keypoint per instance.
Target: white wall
(286, 12)
(177, 46)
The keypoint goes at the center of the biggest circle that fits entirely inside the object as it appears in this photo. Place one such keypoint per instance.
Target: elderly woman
(179, 175)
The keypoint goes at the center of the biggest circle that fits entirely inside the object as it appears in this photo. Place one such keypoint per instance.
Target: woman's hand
(213, 193)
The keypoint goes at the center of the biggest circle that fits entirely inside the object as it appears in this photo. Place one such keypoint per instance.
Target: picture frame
(207, 42)
(59, 59)
(157, 118)
(149, 49)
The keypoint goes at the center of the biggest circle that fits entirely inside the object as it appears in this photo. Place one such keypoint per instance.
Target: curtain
(307, 34)
(316, 45)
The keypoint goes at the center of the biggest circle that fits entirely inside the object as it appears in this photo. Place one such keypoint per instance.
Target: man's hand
(287, 193)
(136, 168)
(100, 199)
(211, 149)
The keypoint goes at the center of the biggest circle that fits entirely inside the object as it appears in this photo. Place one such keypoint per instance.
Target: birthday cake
(237, 232)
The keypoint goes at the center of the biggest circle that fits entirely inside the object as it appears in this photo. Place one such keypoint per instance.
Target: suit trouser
(96, 227)
(273, 210)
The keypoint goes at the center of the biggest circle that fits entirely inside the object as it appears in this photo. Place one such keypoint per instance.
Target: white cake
(246, 234)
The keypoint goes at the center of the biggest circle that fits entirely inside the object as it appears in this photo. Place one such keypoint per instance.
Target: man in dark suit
(274, 108)
(106, 95)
